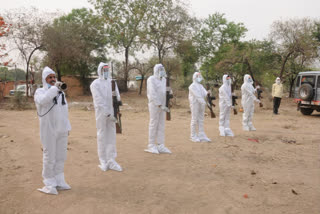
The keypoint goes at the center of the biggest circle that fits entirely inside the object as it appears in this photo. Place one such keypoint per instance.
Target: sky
(257, 15)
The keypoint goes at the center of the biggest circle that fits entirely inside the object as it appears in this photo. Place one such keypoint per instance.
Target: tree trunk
(58, 72)
(126, 72)
(27, 79)
(141, 85)
(284, 64)
(27, 74)
(159, 56)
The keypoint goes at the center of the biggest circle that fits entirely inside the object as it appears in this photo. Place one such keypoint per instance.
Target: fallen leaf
(253, 140)
(245, 196)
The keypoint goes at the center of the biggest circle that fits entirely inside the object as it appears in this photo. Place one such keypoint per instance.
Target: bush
(20, 102)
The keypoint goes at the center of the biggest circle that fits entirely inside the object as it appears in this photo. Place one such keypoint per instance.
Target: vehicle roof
(309, 72)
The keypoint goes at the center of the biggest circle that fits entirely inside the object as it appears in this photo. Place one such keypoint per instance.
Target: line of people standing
(52, 109)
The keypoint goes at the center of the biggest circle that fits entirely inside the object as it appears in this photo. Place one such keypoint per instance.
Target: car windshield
(21, 87)
(308, 79)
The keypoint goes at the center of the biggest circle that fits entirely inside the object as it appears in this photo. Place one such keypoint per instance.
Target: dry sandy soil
(277, 171)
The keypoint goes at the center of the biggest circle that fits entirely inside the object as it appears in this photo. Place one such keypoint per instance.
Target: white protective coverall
(197, 99)
(101, 90)
(225, 105)
(247, 101)
(54, 128)
(156, 92)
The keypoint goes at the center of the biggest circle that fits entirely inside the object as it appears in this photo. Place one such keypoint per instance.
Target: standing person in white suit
(156, 92)
(247, 101)
(225, 105)
(105, 121)
(52, 110)
(197, 99)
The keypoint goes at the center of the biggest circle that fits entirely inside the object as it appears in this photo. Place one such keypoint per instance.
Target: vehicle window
(308, 79)
(298, 81)
(21, 87)
(318, 84)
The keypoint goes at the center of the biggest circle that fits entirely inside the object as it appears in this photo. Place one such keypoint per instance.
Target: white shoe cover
(251, 128)
(246, 128)
(163, 149)
(103, 167)
(61, 183)
(195, 139)
(221, 130)
(228, 132)
(152, 149)
(205, 139)
(49, 190)
(113, 165)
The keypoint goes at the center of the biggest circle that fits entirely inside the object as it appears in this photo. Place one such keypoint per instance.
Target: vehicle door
(318, 89)
(296, 88)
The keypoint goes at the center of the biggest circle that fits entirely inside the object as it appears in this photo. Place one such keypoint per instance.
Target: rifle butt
(168, 116)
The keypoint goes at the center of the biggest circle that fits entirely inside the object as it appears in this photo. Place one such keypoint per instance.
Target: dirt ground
(275, 169)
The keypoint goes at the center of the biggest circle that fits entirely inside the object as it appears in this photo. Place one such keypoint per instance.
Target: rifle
(116, 104)
(210, 104)
(168, 97)
(259, 92)
(210, 98)
(234, 101)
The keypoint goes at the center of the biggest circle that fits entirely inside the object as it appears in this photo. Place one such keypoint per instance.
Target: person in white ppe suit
(197, 99)
(247, 101)
(156, 92)
(225, 105)
(52, 110)
(101, 90)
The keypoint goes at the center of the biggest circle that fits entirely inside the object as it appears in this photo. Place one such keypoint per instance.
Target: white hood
(100, 74)
(156, 70)
(195, 76)
(246, 79)
(46, 72)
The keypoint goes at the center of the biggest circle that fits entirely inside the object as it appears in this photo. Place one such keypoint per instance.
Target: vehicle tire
(306, 92)
(306, 111)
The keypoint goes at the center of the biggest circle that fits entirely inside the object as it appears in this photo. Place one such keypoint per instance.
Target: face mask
(105, 75)
(49, 86)
(199, 79)
(278, 82)
(229, 81)
(250, 80)
(162, 73)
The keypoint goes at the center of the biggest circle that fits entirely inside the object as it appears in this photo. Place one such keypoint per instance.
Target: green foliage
(75, 44)
(189, 56)
(19, 101)
(12, 74)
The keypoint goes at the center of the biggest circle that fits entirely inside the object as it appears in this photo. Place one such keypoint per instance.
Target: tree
(189, 55)
(169, 24)
(26, 33)
(143, 68)
(294, 37)
(75, 44)
(219, 46)
(124, 21)
(12, 74)
(4, 30)
(215, 31)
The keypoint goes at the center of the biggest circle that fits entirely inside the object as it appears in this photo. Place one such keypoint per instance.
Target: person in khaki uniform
(277, 92)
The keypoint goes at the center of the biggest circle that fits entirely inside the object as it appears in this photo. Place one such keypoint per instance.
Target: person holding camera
(52, 109)
(101, 90)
